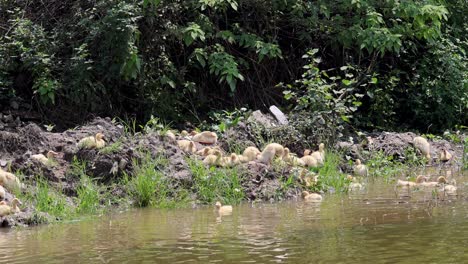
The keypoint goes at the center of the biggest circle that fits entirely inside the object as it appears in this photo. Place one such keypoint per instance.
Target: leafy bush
(328, 101)
(178, 60)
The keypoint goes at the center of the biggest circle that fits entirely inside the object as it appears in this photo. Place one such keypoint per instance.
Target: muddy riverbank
(110, 165)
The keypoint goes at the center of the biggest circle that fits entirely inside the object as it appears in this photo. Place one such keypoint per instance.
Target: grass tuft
(112, 148)
(88, 196)
(149, 187)
(213, 184)
(330, 177)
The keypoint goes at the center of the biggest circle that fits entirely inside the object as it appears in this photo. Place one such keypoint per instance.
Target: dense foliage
(369, 63)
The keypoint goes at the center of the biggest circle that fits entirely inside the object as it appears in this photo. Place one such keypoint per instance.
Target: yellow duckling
(92, 142)
(184, 133)
(445, 156)
(7, 210)
(170, 136)
(9, 180)
(206, 137)
(320, 154)
(204, 151)
(308, 178)
(223, 209)
(230, 161)
(450, 190)
(355, 185)
(311, 197)
(243, 159)
(216, 149)
(422, 145)
(420, 179)
(212, 159)
(309, 161)
(43, 159)
(187, 146)
(269, 152)
(360, 169)
(2, 193)
(441, 180)
(292, 159)
(251, 153)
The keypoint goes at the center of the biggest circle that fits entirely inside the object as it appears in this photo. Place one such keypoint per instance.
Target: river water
(377, 225)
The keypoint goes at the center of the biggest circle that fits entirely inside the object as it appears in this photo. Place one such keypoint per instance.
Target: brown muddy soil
(397, 145)
(17, 144)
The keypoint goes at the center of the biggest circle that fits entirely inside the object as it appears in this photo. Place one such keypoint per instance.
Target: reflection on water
(378, 225)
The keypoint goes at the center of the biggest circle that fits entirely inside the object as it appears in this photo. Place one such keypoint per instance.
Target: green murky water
(378, 225)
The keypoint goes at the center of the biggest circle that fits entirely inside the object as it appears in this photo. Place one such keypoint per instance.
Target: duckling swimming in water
(420, 179)
(92, 142)
(422, 145)
(311, 197)
(223, 209)
(206, 137)
(7, 210)
(360, 169)
(355, 185)
(450, 190)
(441, 180)
(43, 159)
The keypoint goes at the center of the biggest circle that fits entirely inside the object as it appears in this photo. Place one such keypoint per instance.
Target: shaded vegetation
(369, 63)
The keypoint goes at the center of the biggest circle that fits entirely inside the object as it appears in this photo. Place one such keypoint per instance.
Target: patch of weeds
(88, 196)
(330, 177)
(77, 169)
(288, 181)
(279, 165)
(149, 187)
(155, 124)
(89, 193)
(381, 165)
(234, 147)
(51, 163)
(413, 159)
(213, 184)
(454, 137)
(465, 154)
(129, 125)
(112, 148)
(47, 199)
